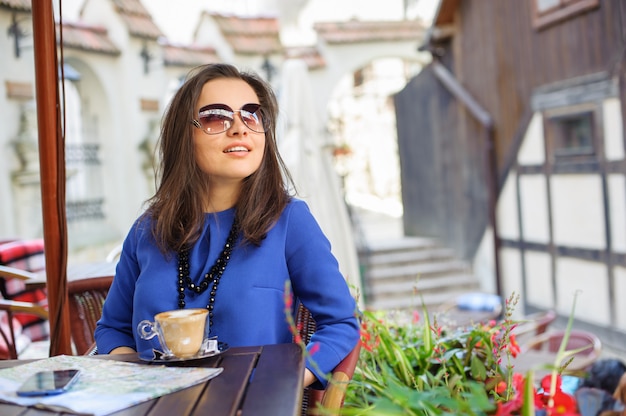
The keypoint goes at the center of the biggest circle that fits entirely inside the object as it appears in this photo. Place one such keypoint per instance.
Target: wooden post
(52, 172)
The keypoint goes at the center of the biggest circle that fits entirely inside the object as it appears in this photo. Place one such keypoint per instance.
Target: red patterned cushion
(21, 340)
(25, 255)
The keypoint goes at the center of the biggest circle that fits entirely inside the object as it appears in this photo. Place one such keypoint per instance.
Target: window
(546, 12)
(545, 5)
(571, 136)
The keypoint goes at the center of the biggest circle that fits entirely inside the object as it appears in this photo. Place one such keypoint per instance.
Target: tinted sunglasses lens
(254, 121)
(215, 120)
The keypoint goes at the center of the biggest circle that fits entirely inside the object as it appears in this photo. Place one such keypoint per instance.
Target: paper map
(104, 386)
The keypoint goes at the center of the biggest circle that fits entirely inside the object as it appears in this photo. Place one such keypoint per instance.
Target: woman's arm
(318, 283)
(114, 328)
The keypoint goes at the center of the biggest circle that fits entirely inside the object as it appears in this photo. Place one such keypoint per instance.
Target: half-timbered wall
(564, 217)
(561, 217)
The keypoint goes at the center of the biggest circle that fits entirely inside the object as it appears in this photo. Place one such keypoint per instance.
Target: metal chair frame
(331, 399)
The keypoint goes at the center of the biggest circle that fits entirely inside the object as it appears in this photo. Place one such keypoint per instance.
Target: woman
(222, 232)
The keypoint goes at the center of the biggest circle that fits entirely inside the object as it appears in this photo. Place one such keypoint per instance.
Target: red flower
(366, 337)
(518, 381)
(416, 317)
(514, 405)
(436, 330)
(560, 404)
(500, 387)
(514, 347)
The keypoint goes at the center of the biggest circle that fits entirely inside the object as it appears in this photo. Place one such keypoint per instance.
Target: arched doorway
(361, 120)
(86, 119)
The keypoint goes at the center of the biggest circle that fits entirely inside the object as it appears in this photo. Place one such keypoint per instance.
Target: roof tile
(309, 54)
(88, 38)
(137, 19)
(250, 35)
(355, 31)
(188, 56)
(141, 26)
(24, 5)
(131, 7)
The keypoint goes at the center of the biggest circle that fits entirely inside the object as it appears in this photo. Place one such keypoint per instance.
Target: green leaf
(478, 370)
(528, 404)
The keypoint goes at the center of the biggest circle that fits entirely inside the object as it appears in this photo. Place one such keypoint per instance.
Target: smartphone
(46, 383)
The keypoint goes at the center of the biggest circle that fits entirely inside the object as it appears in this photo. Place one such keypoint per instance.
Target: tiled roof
(309, 54)
(355, 31)
(137, 19)
(24, 5)
(188, 56)
(134, 14)
(141, 26)
(250, 35)
(131, 7)
(87, 38)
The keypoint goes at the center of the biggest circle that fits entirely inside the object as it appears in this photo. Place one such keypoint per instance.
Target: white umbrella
(303, 146)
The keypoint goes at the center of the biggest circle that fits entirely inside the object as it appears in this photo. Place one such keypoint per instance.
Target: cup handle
(147, 329)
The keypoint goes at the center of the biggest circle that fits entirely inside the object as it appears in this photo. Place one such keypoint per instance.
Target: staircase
(403, 272)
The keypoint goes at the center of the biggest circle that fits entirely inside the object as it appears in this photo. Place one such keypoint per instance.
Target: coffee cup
(181, 332)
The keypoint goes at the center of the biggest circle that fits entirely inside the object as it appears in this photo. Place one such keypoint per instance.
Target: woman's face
(228, 157)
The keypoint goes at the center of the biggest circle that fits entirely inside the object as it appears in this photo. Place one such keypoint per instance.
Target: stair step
(377, 259)
(430, 300)
(413, 271)
(383, 287)
(407, 273)
(393, 245)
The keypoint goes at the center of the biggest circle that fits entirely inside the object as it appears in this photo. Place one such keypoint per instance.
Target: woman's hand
(122, 350)
(309, 378)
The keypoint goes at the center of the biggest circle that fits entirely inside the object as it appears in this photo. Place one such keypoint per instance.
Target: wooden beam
(479, 113)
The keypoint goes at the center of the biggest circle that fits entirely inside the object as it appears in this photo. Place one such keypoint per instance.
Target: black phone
(46, 383)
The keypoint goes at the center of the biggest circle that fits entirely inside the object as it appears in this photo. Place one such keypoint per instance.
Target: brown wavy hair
(176, 209)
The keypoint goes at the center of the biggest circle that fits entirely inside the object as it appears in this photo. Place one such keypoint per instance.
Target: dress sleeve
(114, 329)
(320, 286)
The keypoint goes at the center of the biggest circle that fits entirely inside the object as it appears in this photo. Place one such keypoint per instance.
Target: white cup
(181, 332)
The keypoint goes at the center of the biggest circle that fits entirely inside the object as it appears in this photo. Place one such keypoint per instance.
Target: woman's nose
(238, 126)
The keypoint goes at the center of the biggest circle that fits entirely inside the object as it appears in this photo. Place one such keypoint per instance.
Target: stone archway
(348, 46)
(88, 117)
(307, 140)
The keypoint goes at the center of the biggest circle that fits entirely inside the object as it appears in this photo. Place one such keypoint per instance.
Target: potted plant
(422, 368)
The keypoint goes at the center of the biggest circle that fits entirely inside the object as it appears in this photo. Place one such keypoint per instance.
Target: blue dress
(250, 306)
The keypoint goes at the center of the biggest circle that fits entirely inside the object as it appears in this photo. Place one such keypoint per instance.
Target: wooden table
(75, 272)
(256, 381)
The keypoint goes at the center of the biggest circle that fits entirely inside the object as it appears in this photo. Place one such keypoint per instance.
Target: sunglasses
(217, 118)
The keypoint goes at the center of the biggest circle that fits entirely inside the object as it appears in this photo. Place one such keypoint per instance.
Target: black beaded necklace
(212, 277)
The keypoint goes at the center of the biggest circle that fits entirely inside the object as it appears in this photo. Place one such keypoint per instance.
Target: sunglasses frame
(225, 110)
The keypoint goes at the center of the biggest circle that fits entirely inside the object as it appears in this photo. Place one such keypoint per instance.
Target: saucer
(160, 357)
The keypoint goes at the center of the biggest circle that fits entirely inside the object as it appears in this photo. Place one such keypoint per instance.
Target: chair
(12, 339)
(331, 399)
(27, 255)
(548, 345)
(86, 298)
(533, 324)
